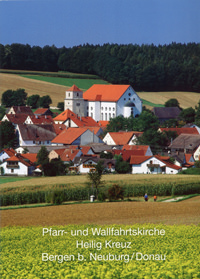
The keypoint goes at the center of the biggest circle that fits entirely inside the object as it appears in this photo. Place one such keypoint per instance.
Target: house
(31, 134)
(122, 138)
(70, 119)
(186, 143)
(143, 150)
(36, 119)
(153, 165)
(20, 110)
(17, 165)
(6, 153)
(86, 164)
(15, 119)
(179, 131)
(43, 111)
(77, 136)
(126, 154)
(103, 102)
(106, 101)
(66, 155)
(166, 113)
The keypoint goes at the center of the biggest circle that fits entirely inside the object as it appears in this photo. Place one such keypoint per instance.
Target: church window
(92, 114)
(102, 116)
(106, 108)
(129, 94)
(109, 116)
(91, 108)
(68, 94)
(113, 109)
(106, 116)
(113, 115)
(109, 109)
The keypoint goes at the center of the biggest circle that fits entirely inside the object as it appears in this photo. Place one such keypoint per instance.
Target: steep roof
(68, 154)
(31, 132)
(136, 160)
(136, 147)
(79, 121)
(186, 141)
(58, 128)
(126, 154)
(122, 138)
(43, 111)
(105, 92)
(16, 118)
(41, 119)
(22, 110)
(18, 158)
(69, 135)
(10, 151)
(32, 157)
(181, 130)
(74, 88)
(166, 112)
(63, 116)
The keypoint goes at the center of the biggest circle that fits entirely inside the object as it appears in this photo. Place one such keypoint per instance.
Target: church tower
(74, 101)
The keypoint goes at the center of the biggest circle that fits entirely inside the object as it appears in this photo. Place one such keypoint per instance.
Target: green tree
(2, 112)
(121, 166)
(95, 176)
(14, 98)
(42, 156)
(8, 137)
(187, 115)
(60, 105)
(54, 167)
(172, 103)
(33, 101)
(197, 114)
(45, 101)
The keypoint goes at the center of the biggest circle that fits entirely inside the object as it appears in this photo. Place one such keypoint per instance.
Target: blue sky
(74, 22)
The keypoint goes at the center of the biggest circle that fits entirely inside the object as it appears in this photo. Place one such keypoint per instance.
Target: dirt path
(186, 212)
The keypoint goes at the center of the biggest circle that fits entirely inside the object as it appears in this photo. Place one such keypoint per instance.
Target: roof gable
(69, 135)
(74, 88)
(105, 92)
(123, 138)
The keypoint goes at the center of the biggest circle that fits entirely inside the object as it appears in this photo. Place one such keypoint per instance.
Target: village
(77, 136)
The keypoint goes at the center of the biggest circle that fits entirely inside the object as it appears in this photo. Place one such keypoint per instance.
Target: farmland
(55, 87)
(79, 180)
(28, 253)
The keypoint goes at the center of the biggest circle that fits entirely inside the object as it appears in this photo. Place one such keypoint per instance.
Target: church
(103, 102)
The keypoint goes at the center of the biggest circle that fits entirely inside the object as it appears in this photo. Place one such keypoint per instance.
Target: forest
(173, 67)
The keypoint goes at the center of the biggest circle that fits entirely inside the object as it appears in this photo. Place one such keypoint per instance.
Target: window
(106, 116)
(12, 170)
(106, 108)
(109, 116)
(113, 109)
(77, 95)
(101, 108)
(124, 99)
(109, 109)
(78, 104)
(91, 108)
(113, 115)
(102, 116)
(129, 94)
(68, 94)
(91, 114)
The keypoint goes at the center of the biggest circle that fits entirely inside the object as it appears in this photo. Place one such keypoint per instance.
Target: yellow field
(57, 92)
(42, 88)
(186, 99)
(117, 178)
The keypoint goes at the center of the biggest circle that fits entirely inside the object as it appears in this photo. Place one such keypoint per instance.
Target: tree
(95, 176)
(172, 103)
(2, 112)
(42, 156)
(54, 167)
(14, 98)
(8, 137)
(33, 101)
(187, 115)
(106, 155)
(120, 165)
(45, 101)
(197, 114)
(60, 105)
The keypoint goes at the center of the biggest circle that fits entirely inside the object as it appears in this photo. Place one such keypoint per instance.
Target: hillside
(57, 91)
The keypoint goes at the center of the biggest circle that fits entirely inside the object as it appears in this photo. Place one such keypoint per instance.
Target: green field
(76, 251)
(10, 179)
(82, 83)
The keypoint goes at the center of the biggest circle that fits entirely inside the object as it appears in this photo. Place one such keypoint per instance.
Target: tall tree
(8, 137)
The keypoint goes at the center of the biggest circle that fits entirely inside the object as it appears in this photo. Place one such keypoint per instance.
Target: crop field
(78, 180)
(93, 251)
(55, 87)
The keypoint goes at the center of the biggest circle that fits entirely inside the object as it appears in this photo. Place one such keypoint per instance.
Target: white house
(122, 138)
(16, 165)
(153, 164)
(103, 102)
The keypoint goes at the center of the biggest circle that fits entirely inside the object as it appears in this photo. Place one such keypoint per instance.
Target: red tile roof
(10, 151)
(105, 92)
(123, 138)
(42, 119)
(192, 131)
(103, 123)
(126, 154)
(135, 147)
(59, 128)
(18, 158)
(32, 157)
(22, 110)
(41, 111)
(69, 135)
(74, 88)
(16, 118)
(63, 116)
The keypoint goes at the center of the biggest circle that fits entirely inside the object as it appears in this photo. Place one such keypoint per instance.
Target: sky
(76, 22)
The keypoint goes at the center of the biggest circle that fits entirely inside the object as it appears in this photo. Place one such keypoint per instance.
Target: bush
(115, 192)
(102, 197)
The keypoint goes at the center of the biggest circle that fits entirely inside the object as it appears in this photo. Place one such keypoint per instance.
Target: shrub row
(58, 195)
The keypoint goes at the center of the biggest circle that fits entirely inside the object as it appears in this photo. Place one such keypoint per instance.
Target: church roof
(74, 88)
(105, 92)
